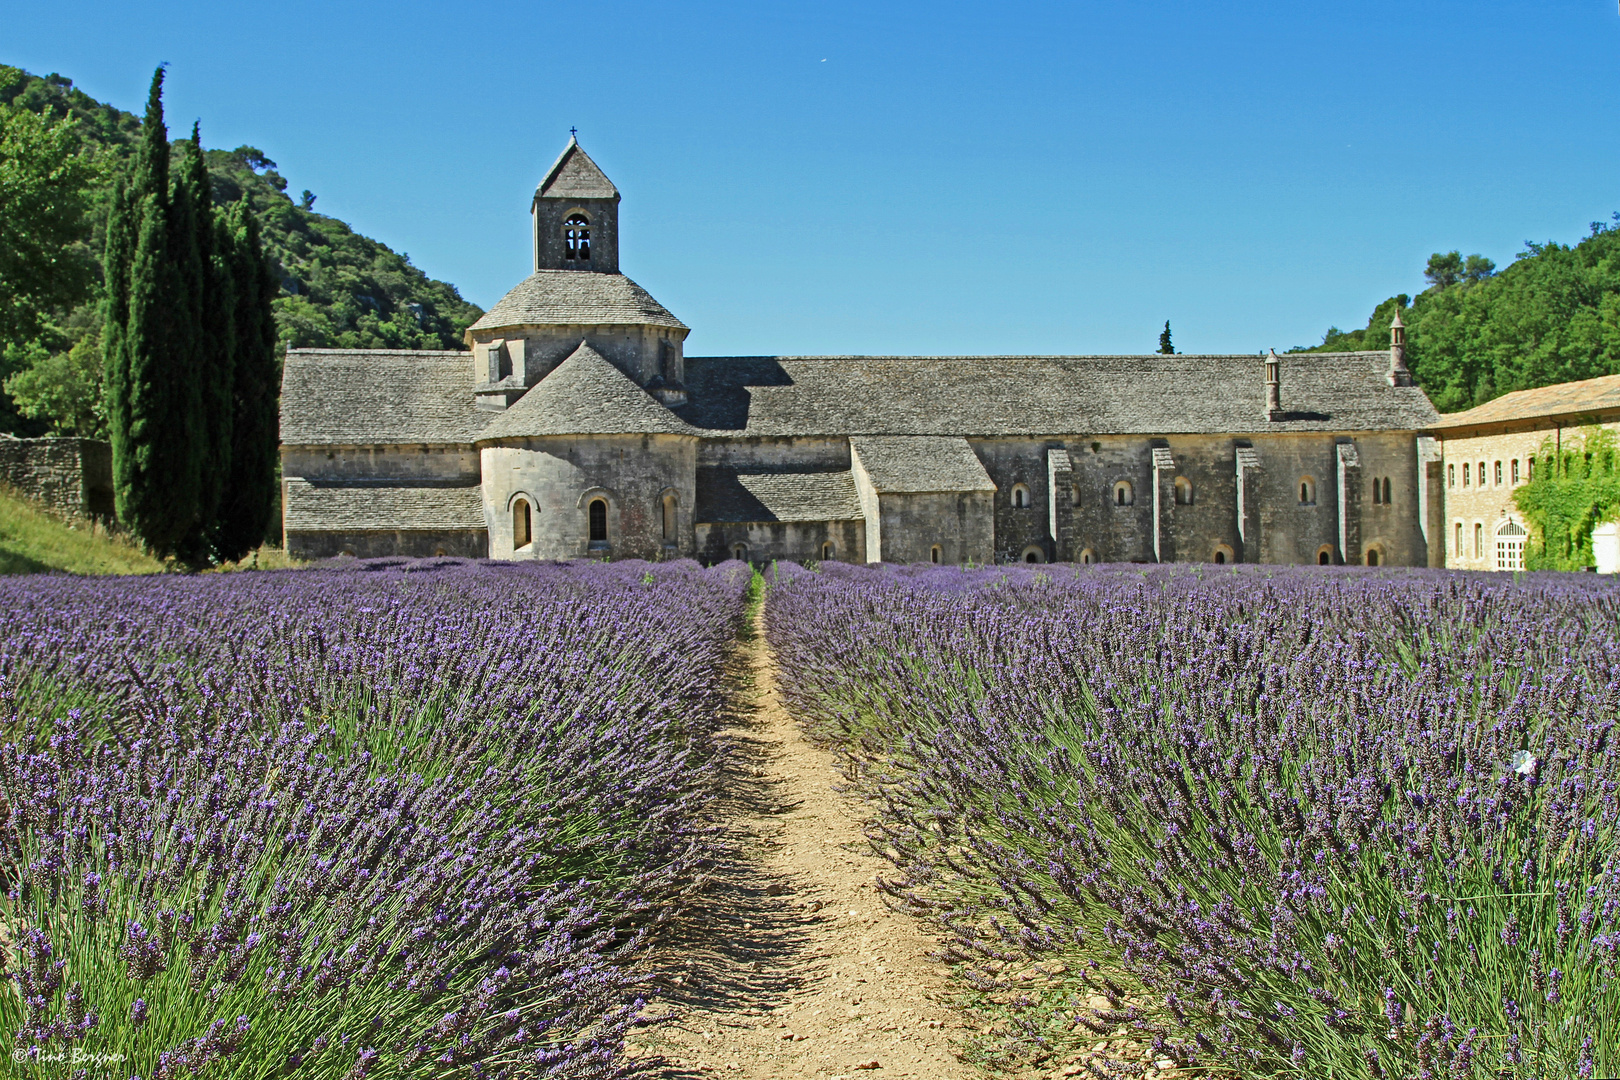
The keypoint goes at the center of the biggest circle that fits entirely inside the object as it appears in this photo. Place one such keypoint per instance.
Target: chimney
(1274, 409)
(1399, 375)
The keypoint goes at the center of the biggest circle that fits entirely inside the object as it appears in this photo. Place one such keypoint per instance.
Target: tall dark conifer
(250, 489)
(215, 349)
(153, 417)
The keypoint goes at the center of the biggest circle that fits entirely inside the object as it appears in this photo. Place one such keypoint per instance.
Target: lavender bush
(1270, 821)
(409, 819)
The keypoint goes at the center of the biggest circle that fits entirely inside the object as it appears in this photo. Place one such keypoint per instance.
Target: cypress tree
(215, 350)
(1165, 348)
(153, 316)
(250, 488)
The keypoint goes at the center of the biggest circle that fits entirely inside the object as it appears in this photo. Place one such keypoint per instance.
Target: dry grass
(35, 542)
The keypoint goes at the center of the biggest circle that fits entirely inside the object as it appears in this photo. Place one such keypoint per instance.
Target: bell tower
(576, 216)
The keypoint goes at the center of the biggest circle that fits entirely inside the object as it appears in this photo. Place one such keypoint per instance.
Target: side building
(575, 426)
(1489, 451)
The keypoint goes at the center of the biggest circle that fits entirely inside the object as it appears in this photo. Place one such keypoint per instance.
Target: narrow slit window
(1386, 491)
(1020, 497)
(1514, 471)
(934, 554)
(1497, 472)
(598, 521)
(827, 552)
(669, 519)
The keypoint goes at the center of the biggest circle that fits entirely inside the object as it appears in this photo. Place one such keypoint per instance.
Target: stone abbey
(575, 426)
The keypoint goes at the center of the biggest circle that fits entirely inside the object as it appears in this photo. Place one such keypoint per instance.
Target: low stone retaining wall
(70, 476)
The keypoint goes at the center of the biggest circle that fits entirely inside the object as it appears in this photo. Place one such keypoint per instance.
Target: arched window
(1087, 557)
(1123, 495)
(669, 518)
(936, 554)
(439, 552)
(739, 551)
(1515, 470)
(1451, 476)
(827, 552)
(1529, 468)
(1386, 491)
(597, 513)
(522, 524)
(1456, 547)
(1183, 491)
(1479, 540)
(1307, 491)
(1482, 474)
(1496, 471)
(1465, 474)
(1510, 538)
(577, 237)
(1020, 497)
(1033, 554)
(1372, 556)
(1378, 490)
(1223, 555)
(1324, 557)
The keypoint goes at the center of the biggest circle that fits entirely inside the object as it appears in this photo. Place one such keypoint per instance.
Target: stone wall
(1199, 519)
(376, 543)
(561, 476)
(638, 351)
(447, 462)
(72, 477)
(960, 523)
(782, 541)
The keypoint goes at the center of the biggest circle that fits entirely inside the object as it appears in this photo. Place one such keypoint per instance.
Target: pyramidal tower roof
(575, 176)
(586, 395)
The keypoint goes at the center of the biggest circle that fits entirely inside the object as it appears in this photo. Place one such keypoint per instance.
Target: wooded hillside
(337, 288)
(1474, 334)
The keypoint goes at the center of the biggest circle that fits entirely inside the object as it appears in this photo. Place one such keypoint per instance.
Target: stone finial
(1399, 375)
(1274, 409)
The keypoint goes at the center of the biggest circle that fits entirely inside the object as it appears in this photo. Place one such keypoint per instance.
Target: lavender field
(410, 819)
(1256, 821)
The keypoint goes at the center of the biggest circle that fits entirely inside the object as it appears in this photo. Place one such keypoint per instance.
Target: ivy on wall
(1573, 489)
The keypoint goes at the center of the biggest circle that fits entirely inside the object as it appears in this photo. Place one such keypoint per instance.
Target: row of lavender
(407, 819)
(1287, 823)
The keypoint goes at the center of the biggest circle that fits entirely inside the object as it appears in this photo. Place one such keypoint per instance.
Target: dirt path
(795, 967)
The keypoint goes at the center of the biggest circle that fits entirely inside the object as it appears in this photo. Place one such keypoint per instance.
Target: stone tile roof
(921, 463)
(1601, 394)
(730, 495)
(367, 397)
(1051, 395)
(320, 506)
(576, 298)
(575, 176)
(585, 395)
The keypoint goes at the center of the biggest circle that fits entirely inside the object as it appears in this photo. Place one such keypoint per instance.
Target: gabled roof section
(373, 397)
(585, 395)
(732, 495)
(314, 506)
(988, 396)
(575, 176)
(576, 298)
(1570, 399)
(919, 463)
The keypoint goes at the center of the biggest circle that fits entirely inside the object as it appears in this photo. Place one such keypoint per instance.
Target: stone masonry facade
(574, 426)
(69, 476)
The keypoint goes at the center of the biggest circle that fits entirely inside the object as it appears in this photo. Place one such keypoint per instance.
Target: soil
(794, 966)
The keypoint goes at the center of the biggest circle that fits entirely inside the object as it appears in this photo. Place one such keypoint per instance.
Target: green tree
(45, 182)
(151, 345)
(1165, 347)
(215, 348)
(250, 490)
(64, 389)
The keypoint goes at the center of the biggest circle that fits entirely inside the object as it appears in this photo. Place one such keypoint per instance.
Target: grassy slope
(33, 542)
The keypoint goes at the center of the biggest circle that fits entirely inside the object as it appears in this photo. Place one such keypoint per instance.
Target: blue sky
(915, 178)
